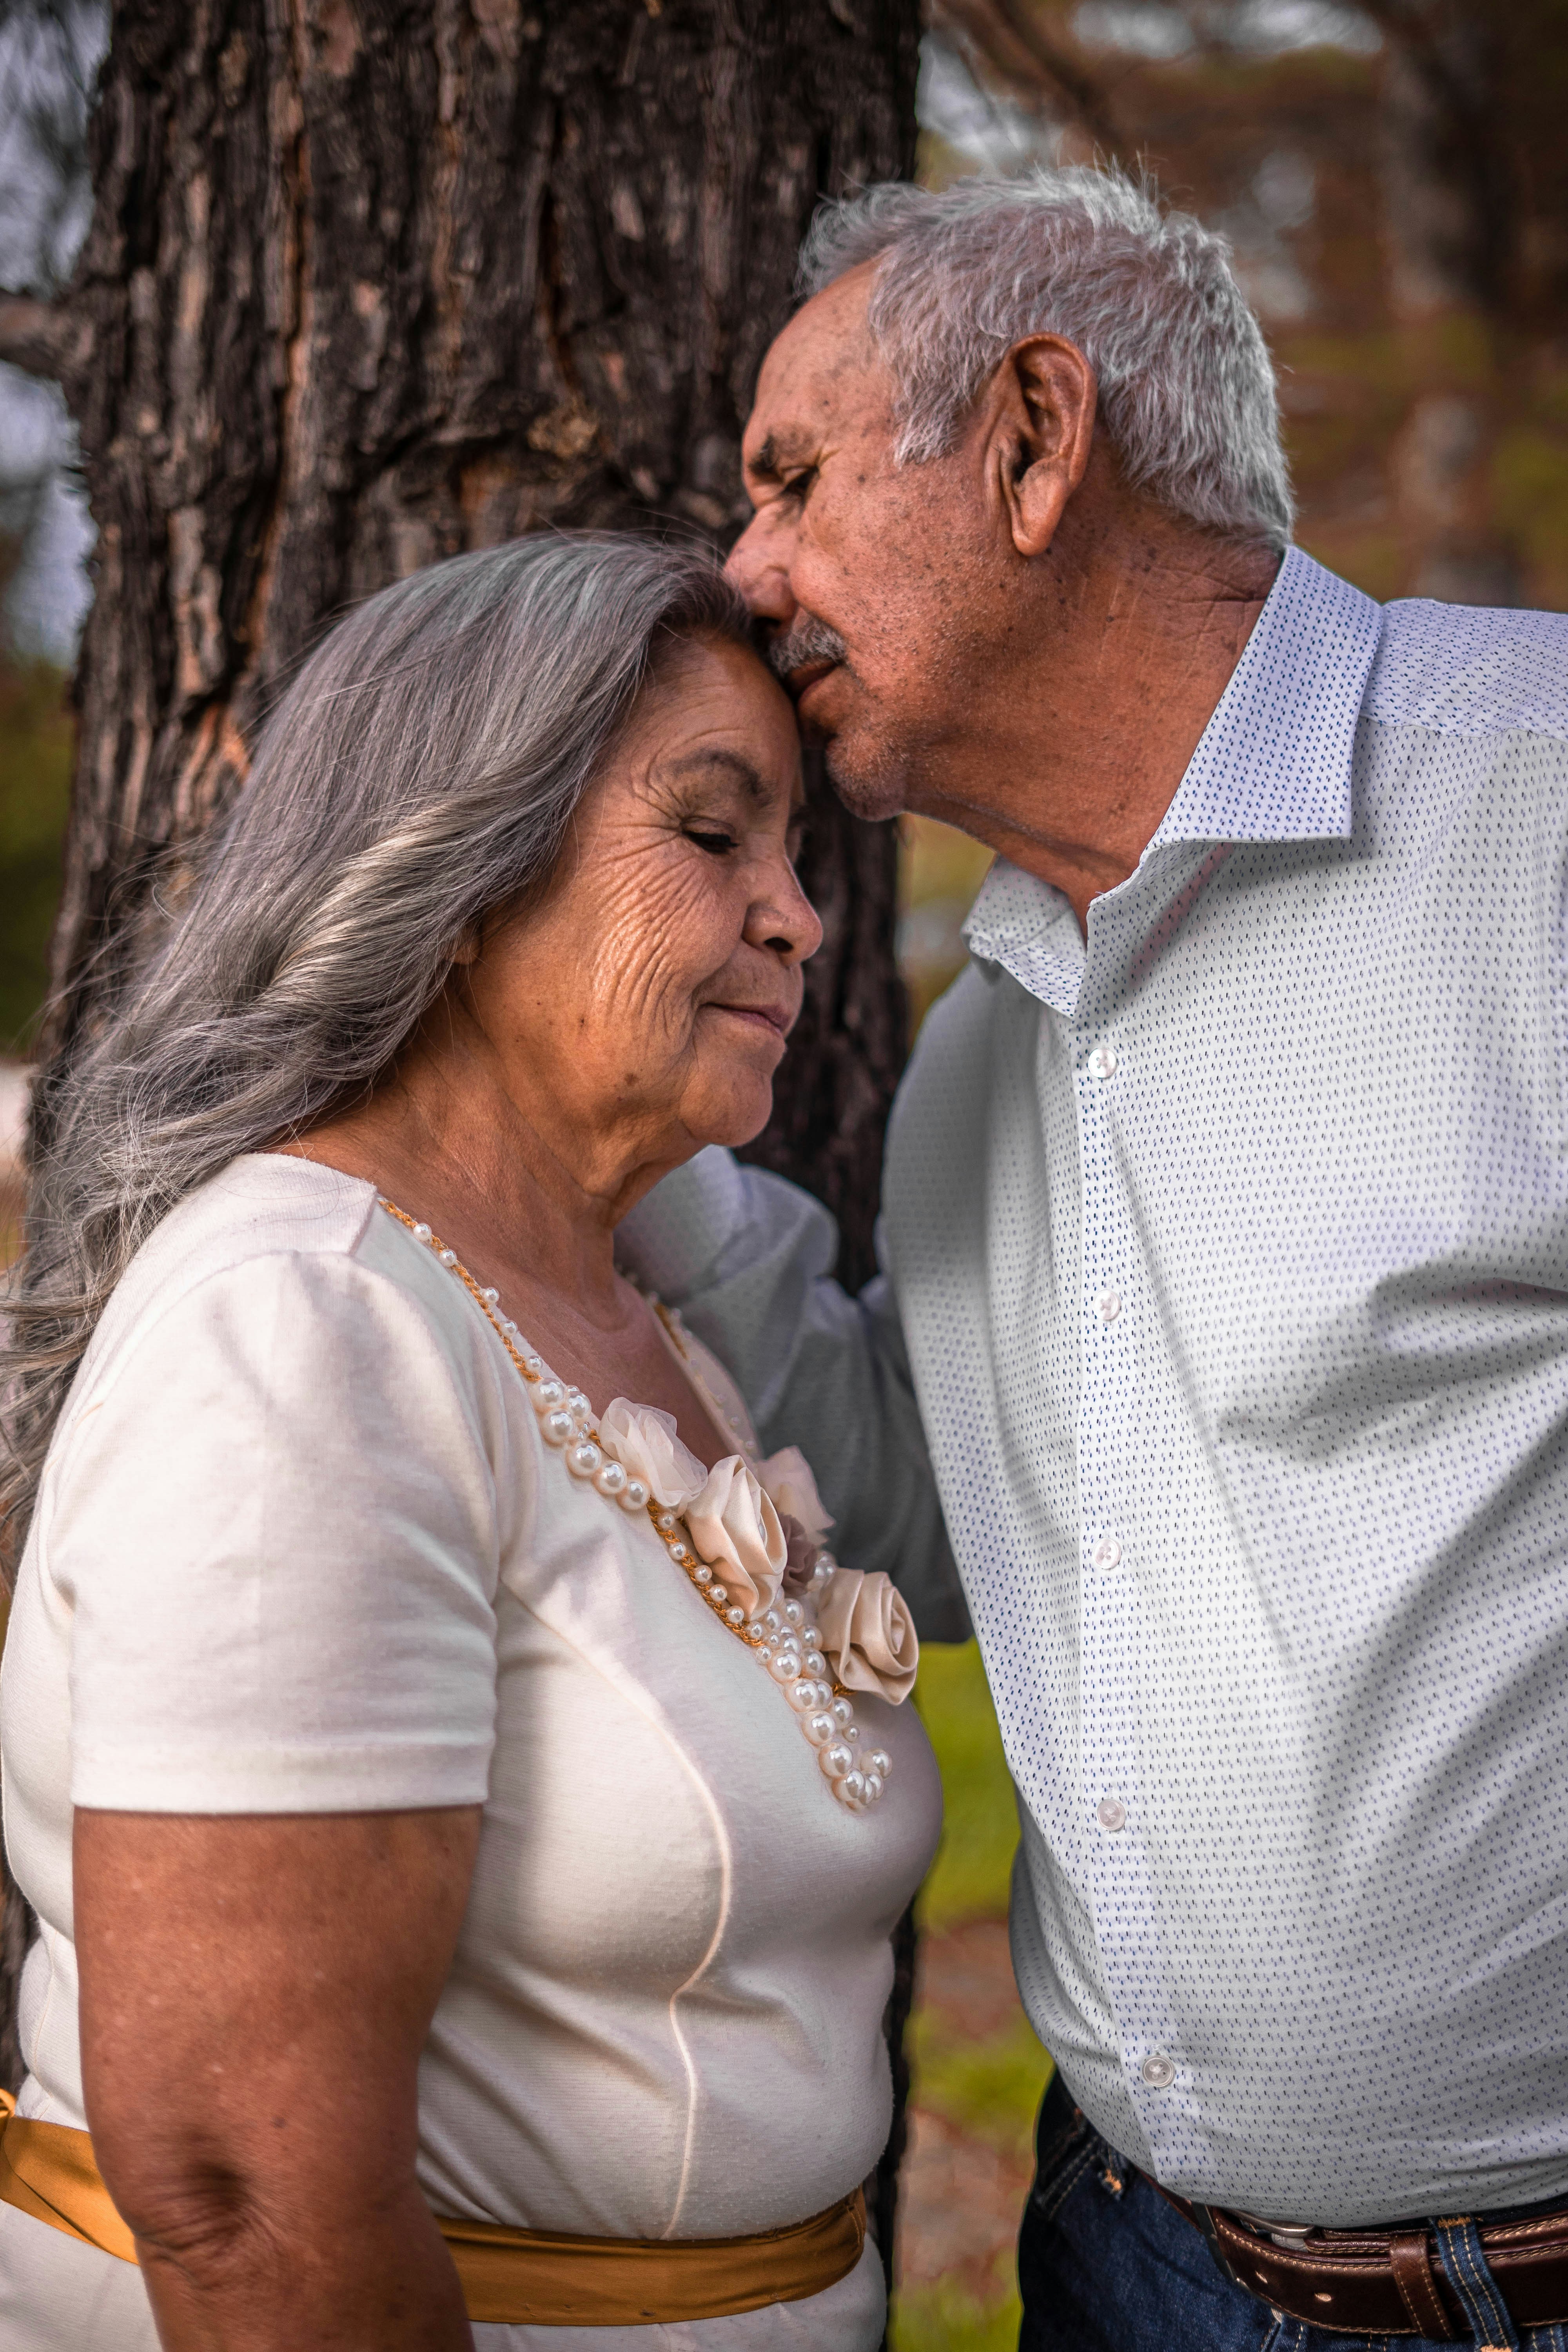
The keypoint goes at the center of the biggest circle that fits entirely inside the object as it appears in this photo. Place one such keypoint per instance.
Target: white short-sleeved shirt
(300, 1547)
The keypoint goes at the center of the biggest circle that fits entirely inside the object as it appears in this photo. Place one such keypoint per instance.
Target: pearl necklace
(781, 1638)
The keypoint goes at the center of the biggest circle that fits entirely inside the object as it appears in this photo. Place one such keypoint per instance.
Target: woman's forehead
(728, 720)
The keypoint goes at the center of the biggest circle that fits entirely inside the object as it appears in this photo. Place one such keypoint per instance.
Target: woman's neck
(468, 1160)
(495, 1193)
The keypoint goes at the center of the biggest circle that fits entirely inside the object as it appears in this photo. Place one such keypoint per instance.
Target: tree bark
(1450, 228)
(367, 287)
(369, 282)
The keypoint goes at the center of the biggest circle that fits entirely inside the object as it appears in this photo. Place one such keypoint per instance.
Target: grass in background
(971, 1875)
(984, 2079)
(948, 2318)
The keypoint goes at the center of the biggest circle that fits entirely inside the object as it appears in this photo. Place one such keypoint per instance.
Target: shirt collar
(1272, 764)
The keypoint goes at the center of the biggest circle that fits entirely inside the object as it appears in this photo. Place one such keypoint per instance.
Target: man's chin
(868, 779)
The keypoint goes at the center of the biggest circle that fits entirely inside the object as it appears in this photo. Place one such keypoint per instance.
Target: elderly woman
(463, 1806)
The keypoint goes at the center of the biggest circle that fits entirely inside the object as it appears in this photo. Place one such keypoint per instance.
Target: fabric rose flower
(644, 1440)
(805, 1551)
(790, 1487)
(787, 1481)
(868, 1634)
(735, 1528)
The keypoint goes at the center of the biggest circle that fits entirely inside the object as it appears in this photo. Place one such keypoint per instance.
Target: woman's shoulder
(263, 1206)
(273, 1250)
(279, 1336)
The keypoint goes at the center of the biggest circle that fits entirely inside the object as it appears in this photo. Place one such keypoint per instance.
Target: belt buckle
(1291, 2235)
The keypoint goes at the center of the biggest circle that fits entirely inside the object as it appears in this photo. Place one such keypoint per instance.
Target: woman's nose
(786, 923)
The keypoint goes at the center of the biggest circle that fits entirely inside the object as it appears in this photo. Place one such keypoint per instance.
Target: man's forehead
(815, 375)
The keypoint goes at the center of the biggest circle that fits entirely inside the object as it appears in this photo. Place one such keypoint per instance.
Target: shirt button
(1111, 1813)
(1157, 2071)
(1107, 1306)
(1101, 1063)
(1107, 1553)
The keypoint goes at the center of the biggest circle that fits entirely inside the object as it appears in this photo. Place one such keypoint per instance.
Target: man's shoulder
(1467, 669)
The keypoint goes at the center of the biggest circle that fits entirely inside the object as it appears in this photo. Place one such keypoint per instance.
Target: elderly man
(1226, 1266)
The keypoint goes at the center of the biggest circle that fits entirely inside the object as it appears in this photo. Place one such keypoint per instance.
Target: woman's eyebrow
(733, 762)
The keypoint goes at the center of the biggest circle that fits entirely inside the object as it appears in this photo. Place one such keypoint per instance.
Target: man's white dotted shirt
(1230, 1253)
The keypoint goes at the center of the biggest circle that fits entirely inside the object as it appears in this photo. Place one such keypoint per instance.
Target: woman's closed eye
(714, 840)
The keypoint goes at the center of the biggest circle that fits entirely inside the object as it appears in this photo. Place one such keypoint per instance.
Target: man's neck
(1077, 753)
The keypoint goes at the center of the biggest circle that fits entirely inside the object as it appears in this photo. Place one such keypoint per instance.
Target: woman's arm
(255, 1995)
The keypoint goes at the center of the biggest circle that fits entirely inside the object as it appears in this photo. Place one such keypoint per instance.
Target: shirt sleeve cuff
(283, 1779)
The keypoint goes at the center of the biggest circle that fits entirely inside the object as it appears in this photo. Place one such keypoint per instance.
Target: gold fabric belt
(508, 2276)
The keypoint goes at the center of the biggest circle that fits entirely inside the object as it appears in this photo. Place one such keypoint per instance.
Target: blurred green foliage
(35, 746)
(947, 2318)
(987, 2084)
(973, 1871)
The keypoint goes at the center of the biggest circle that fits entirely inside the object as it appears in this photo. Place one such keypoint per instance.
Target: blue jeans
(1106, 2265)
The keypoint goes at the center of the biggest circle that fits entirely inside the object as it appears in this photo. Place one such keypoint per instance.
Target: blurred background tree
(1394, 179)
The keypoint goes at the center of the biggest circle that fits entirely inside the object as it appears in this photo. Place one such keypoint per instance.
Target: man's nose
(757, 567)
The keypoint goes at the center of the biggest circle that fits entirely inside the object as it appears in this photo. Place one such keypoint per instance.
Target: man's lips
(801, 681)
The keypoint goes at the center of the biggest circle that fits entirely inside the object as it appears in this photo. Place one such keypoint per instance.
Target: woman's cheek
(650, 954)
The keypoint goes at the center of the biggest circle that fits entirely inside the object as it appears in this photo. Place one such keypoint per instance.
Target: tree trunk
(371, 281)
(1448, 232)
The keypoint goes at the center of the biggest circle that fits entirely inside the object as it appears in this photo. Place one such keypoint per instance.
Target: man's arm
(748, 1260)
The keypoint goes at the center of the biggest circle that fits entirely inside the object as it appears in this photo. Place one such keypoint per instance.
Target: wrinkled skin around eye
(643, 1008)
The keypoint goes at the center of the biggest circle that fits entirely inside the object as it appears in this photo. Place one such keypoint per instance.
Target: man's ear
(1043, 432)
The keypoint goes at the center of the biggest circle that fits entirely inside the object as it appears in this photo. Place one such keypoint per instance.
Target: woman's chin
(733, 1116)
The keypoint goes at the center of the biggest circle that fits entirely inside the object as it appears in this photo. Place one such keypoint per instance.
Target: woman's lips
(775, 1019)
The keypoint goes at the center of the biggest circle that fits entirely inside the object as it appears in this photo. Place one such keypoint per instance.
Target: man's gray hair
(1186, 385)
(422, 772)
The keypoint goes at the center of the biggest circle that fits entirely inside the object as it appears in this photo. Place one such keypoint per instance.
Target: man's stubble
(871, 766)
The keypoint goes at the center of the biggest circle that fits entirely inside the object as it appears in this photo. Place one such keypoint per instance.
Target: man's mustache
(806, 639)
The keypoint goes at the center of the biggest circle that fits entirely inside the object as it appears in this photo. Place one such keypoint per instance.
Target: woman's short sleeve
(276, 1529)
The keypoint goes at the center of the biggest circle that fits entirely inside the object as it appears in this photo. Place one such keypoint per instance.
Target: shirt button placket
(1103, 1709)
(1111, 1614)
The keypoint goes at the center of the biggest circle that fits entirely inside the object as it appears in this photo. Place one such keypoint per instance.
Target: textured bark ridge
(369, 285)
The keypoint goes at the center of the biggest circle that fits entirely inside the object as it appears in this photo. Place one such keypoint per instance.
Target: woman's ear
(1041, 436)
(466, 946)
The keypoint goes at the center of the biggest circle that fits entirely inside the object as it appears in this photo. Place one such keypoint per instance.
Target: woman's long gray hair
(421, 771)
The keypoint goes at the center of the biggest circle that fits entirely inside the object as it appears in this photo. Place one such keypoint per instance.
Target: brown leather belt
(1385, 2281)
